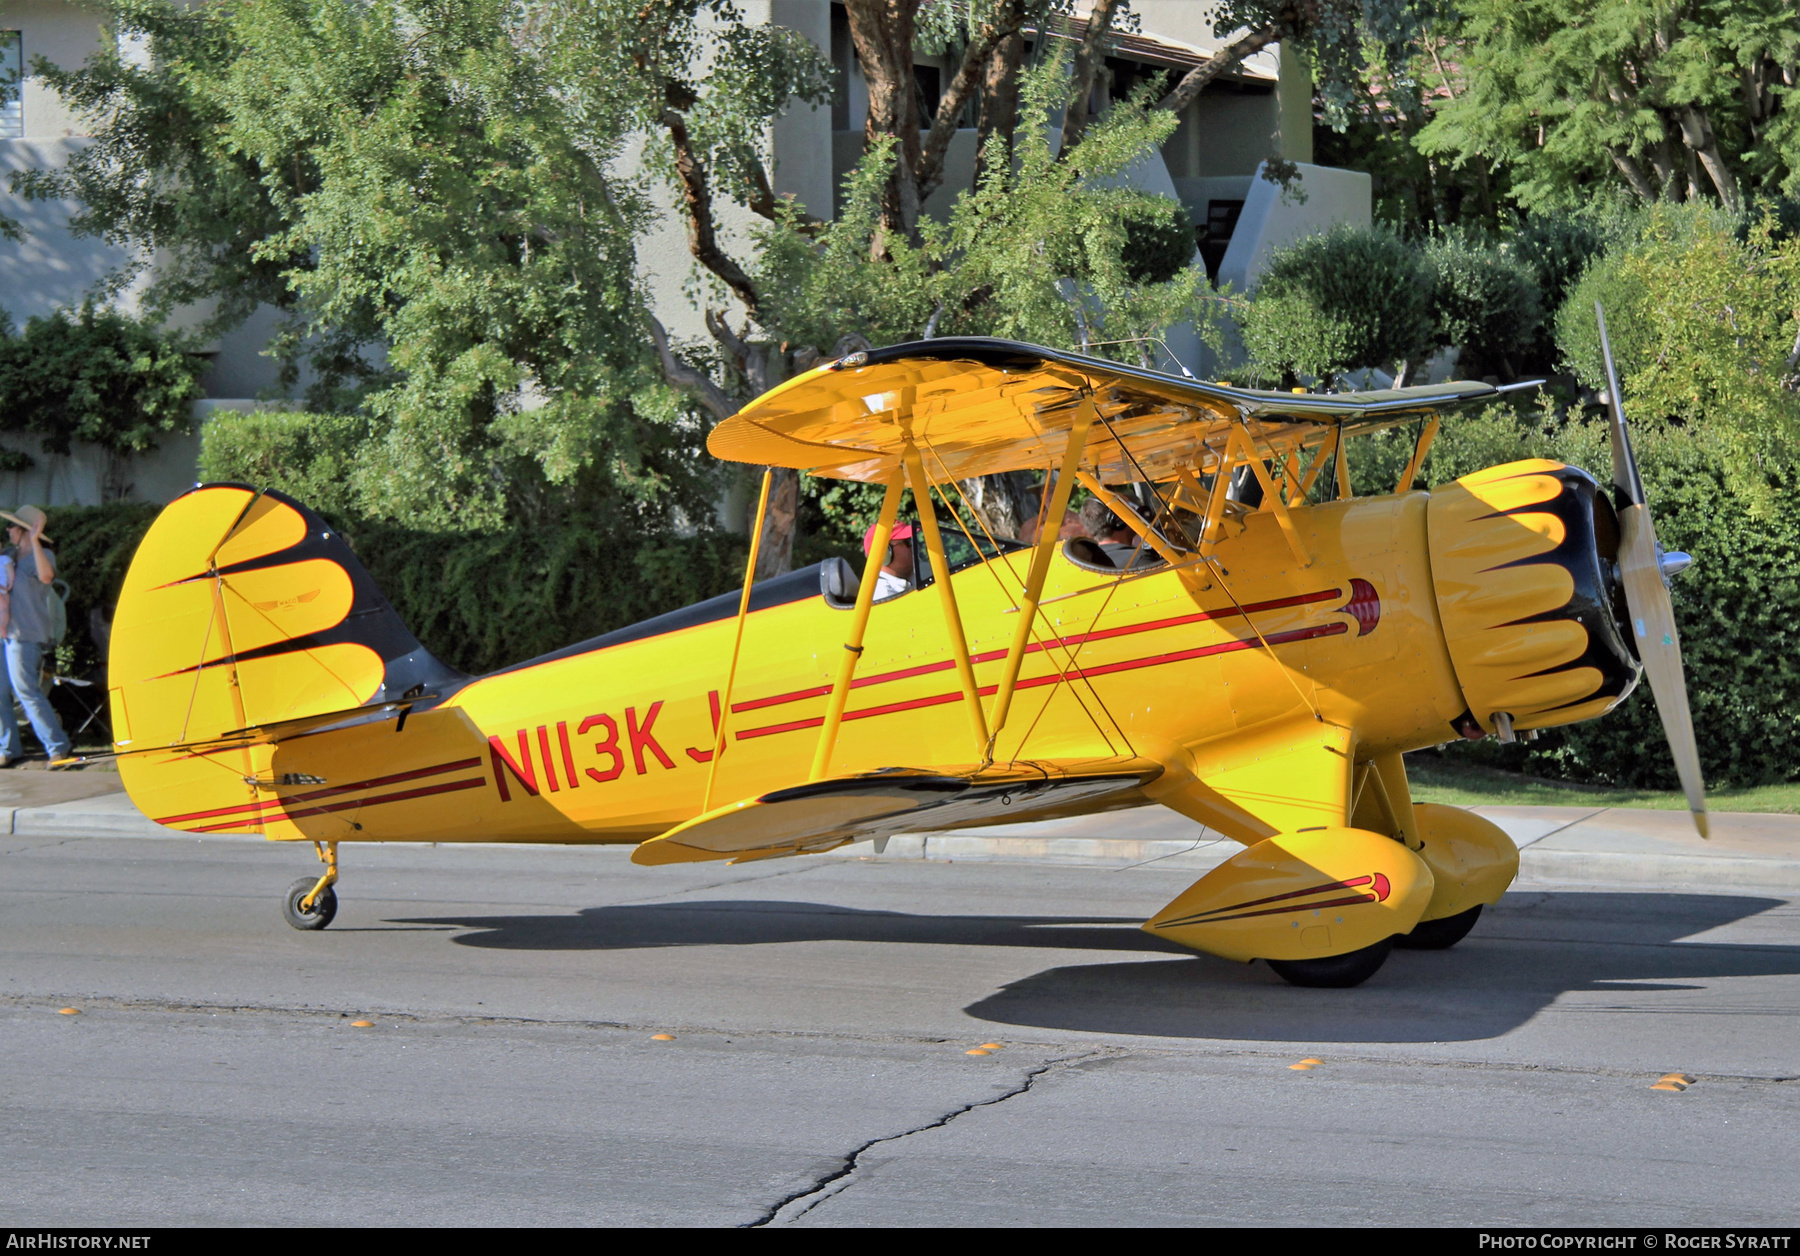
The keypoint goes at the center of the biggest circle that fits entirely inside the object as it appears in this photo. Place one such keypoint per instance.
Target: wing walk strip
(987, 691)
(907, 673)
(255, 811)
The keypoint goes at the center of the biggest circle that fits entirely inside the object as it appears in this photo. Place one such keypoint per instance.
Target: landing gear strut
(311, 904)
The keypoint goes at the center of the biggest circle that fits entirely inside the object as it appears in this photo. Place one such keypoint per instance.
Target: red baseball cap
(902, 532)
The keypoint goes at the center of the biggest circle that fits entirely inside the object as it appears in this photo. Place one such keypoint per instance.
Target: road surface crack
(839, 1179)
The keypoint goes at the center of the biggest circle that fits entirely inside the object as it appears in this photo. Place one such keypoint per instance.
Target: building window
(12, 79)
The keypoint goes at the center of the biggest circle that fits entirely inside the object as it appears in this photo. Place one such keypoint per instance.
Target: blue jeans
(23, 659)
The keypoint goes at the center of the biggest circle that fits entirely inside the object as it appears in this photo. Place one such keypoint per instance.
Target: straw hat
(27, 517)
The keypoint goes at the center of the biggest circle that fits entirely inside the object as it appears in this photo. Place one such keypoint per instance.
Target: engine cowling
(1524, 563)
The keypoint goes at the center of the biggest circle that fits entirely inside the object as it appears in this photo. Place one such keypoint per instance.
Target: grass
(1467, 785)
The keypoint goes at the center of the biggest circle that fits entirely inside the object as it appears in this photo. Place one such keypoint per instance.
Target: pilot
(897, 571)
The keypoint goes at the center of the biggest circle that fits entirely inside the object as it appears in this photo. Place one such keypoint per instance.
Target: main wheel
(1441, 935)
(324, 907)
(1334, 972)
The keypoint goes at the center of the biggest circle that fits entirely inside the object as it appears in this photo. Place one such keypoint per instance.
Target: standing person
(29, 637)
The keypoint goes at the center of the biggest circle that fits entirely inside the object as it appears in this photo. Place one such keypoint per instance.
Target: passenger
(897, 567)
(1118, 542)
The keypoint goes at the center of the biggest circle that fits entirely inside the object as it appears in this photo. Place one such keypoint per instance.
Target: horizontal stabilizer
(280, 730)
(823, 814)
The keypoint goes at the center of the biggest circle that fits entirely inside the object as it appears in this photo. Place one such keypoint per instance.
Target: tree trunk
(1088, 60)
(999, 114)
(775, 554)
(1697, 134)
(882, 32)
(1197, 78)
(1004, 501)
(1008, 20)
(1634, 174)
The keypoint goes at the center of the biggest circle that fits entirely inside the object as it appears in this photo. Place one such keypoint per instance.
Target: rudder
(243, 608)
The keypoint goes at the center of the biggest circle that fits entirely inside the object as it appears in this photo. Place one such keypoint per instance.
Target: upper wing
(823, 814)
(980, 406)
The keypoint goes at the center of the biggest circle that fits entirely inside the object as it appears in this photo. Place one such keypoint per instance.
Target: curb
(74, 821)
(115, 817)
(1665, 872)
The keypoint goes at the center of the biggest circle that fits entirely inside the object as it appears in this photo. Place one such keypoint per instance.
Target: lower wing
(819, 815)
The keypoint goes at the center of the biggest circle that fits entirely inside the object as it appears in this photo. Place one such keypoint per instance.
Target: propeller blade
(1625, 470)
(1644, 570)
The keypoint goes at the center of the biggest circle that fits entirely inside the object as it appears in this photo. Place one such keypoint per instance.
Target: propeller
(1645, 569)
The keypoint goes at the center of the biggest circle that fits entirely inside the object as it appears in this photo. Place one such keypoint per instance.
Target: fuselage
(616, 743)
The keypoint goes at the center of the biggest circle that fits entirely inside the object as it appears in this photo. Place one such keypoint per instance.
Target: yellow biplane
(1259, 662)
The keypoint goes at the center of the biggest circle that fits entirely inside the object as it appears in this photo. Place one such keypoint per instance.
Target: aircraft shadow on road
(1532, 947)
(754, 922)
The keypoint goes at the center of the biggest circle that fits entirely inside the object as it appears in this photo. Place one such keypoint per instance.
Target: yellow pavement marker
(362, 1024)
(662, 1037)
(992, 1046)
(978, 1051)
(69, 1011)
(1673, 1081)
(1306, 1065)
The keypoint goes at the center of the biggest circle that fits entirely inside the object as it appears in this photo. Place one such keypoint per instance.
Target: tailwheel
(1441, 935)
(311, 903)
(1334, 972)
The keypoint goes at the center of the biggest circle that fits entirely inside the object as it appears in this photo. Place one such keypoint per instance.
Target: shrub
(99, 377)
(1350, 298)
(1485, 303)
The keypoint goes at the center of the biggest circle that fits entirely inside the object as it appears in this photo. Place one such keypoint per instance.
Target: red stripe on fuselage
(1104, 669)
(1103, 634)
(448, 787)
(371, 783)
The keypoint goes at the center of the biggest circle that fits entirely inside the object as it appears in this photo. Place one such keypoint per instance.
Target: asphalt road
(820, 1011)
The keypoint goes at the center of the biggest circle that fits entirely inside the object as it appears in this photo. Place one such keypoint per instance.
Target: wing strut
(737, 644)
(1416, 463)
(859, 622)
(1049, 533)
(940, 570)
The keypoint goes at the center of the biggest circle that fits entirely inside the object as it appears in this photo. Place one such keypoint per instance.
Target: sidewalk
(1601, 846)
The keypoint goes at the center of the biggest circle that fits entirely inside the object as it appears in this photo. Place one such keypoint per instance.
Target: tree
(436, 195)
(1705, 331)
(1673, 99)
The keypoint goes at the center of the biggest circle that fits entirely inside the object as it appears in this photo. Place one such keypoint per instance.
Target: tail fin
(244, 608)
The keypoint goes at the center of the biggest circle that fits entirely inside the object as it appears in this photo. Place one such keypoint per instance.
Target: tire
(1441, 935)
(323, 909)
(1334, 972)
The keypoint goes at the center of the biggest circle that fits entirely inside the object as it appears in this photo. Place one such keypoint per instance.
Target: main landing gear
(311, 904)
(1440, 935)
(1334, 972)
(1342, 971)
